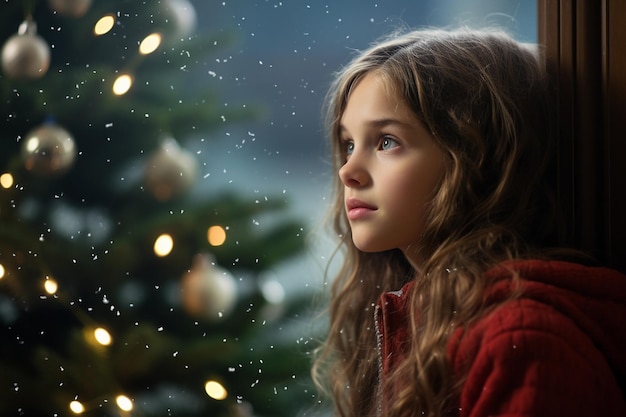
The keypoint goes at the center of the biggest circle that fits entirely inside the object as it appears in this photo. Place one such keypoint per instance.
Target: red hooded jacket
(558, 350)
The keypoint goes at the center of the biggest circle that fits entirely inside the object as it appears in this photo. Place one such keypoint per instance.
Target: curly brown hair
(485, 99)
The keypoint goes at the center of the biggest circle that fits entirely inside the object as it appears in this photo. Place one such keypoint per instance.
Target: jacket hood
(592, 298)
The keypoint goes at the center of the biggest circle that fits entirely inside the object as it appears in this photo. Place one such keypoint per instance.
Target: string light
(122, 84)
(77, 407)
(104, 25)
(50, 285)
(102, 336)
(124, 403)
(6, 180)
(150, 43)
(163, 245)
(216, 235)
(215, 390)
(32, 144)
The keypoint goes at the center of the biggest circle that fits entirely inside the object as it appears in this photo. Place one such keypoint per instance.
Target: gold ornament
(170, 171)
(70, 8)
(208, 291)
(25, 55)
(48, 150)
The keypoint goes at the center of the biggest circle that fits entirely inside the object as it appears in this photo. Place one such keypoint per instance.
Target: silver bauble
(25, 55)
(170, 171)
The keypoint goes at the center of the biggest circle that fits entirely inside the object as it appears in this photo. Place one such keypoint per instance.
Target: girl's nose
(353, 173)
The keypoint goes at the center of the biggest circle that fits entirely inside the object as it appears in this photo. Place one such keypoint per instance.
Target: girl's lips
(357, 209)
(358, 213)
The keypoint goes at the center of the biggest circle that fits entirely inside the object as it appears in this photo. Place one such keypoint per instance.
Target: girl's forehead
(375, 79)
(371, 83)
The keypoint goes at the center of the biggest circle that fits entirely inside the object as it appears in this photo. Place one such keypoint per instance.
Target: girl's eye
(349, 147)
(388, 143)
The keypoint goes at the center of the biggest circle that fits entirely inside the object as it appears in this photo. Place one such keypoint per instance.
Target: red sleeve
(526, 359)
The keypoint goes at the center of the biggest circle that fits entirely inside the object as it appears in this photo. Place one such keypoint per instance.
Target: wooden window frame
(585, 52)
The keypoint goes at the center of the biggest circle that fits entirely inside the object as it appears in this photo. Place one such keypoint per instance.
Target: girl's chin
(370, 247)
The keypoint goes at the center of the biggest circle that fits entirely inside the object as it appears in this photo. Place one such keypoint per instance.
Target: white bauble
(208, 291)
(181, 15)
(273, 293)
(70, 8)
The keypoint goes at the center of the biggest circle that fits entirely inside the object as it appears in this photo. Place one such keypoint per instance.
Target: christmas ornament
(273, 293)
(25, 55)
(181, 17)
(70, 8)
(170, 171)
(48, 150)
(207, 290)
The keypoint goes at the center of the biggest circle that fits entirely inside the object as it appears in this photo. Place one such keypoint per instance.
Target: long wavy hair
(485, 99)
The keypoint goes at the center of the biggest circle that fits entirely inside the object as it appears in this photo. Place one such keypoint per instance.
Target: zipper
(379, 348)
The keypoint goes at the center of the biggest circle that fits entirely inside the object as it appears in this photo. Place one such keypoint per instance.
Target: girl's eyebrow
(381, 123)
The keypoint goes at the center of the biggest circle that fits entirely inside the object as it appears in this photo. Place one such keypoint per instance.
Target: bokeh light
(2, 271)
(122, 84)
(77, 407)
(163, 245)
(102, 336)
(32, 143)
(215, 390)
(50, 285)
(104, 25)
(216, 235)
(150, 43)
(6, 180)
(124, 403)
(273, 291)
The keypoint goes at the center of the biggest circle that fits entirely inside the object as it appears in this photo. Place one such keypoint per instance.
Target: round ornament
(25, 55)
(70, 8)
(48, 150)
(208, 291)
(181, 18)
(273, 294)
(170, 171)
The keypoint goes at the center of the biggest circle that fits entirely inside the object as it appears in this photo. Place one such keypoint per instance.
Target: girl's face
(391, 172)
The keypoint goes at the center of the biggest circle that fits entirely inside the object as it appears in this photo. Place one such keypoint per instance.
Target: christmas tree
(122, 292)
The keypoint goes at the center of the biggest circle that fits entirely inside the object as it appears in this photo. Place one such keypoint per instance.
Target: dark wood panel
(585, 53)
(615, 123)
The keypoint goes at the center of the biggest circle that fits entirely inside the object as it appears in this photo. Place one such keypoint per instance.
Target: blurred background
(283, 61)
(163, 180)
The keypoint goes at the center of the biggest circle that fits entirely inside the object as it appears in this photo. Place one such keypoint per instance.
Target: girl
(450, 300)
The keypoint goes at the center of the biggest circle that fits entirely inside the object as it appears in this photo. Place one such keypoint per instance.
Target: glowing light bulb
(102, 336)
(215, 390)
(50, 285)
(2, 271)
(104, 25)
(216, 235)
(150, 43)
(163, 245)
(77, 407)
(32, 144)
(6, 180)
(124, 403)
(122, 84)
